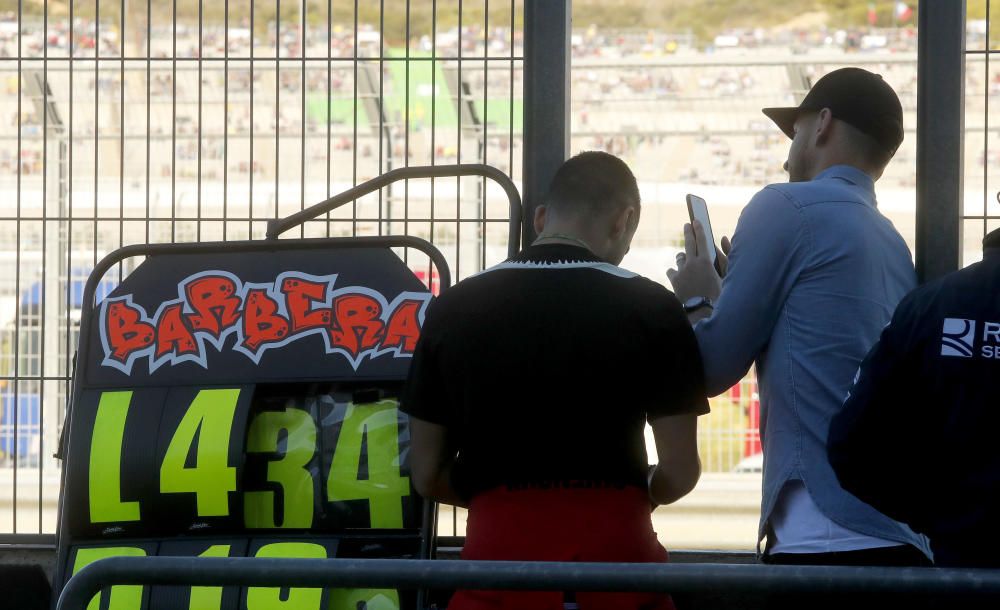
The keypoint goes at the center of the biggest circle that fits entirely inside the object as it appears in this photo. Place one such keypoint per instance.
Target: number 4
(209, 421)
(384, 488)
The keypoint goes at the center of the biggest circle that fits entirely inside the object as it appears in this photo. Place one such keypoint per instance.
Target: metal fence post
(546, 100)
(940, 135)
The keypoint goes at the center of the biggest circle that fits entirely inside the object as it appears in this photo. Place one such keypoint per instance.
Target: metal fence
(980, 212)
(147, 122)
(125, 122)
(692, 122)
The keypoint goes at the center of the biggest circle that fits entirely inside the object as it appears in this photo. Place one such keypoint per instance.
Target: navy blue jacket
(917, 438)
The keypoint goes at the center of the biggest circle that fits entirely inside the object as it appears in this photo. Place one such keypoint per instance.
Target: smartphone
(698, 210)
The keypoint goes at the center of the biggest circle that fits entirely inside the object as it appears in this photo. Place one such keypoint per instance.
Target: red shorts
(604, 524)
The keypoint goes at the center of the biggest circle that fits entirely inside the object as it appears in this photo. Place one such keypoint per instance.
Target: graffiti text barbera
(356, 322)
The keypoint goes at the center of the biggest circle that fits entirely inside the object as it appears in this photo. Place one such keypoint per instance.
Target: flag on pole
(903, 12)
(872, 15)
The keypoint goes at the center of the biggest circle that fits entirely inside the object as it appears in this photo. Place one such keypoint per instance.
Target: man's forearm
(666, 486)
(432, 457)
(442, 491)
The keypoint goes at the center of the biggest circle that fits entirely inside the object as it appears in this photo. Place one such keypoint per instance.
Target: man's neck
(843, 163)
(566, 239)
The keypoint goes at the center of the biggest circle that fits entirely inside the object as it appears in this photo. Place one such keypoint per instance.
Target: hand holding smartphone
(698, 210)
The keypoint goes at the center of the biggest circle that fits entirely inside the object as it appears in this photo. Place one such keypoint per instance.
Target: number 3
(289, 472)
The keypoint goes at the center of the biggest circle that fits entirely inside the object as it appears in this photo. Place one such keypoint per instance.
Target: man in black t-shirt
(531, 384)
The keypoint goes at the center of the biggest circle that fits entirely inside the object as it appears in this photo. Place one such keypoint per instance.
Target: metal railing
(276, 227)
(523, 575)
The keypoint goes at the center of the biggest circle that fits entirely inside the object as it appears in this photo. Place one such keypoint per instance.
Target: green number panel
(228, 462)
(199, 455)
(374, 426)
(122, 597)
(105, 475)
(289, 471)
(205, 430)
(135, 597)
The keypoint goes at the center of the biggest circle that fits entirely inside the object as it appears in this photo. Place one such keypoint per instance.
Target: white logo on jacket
(958, 337)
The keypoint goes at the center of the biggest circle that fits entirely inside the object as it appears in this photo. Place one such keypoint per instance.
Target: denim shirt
(815, 273)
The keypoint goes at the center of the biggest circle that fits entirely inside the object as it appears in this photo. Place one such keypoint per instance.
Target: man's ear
(625, 219)
(824, 125)
(539, 220)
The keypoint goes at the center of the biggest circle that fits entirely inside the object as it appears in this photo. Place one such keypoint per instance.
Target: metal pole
(546, 100)
(520, 575)
(940, 135)
(56, 254)
(382, 130)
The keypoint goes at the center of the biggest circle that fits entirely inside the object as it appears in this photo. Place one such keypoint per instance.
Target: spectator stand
(239, 399)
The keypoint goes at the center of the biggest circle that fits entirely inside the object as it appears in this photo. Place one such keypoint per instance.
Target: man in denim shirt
(814, 273)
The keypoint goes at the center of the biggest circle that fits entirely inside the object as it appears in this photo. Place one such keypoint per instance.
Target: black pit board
(240, 399)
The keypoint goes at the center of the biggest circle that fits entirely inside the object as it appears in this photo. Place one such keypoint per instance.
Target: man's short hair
(870, 151)
(592, 182)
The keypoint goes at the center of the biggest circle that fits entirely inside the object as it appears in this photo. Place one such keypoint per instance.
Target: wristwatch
(696, 303)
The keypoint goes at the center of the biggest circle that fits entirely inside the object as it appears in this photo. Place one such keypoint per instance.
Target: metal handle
(279, 226)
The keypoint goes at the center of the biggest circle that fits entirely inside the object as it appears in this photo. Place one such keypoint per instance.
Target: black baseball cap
(857, 97)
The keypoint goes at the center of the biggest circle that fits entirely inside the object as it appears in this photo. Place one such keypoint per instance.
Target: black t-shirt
(545, 368)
